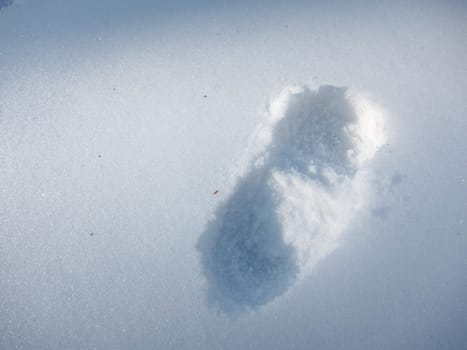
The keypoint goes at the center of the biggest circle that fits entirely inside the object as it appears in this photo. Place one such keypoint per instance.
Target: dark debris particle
(91, 234)
(215, 192)
(100, 155)
(397, 178)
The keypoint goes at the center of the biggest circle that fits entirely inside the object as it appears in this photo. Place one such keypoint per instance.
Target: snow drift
(305, 181)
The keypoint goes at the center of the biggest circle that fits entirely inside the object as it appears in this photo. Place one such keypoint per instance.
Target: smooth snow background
(126, 81)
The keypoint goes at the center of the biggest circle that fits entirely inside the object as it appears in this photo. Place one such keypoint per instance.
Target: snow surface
(119, 120)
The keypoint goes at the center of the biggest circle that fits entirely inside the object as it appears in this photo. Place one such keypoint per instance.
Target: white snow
(119, 120)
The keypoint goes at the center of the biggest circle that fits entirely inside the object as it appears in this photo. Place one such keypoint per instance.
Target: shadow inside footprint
(244, 257)
(243, 253)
